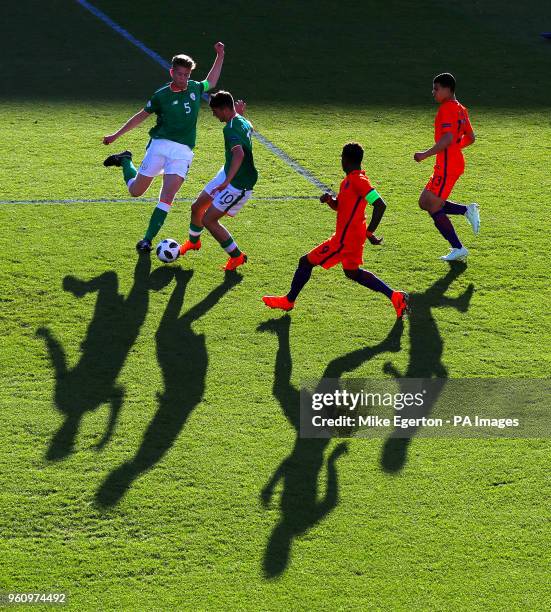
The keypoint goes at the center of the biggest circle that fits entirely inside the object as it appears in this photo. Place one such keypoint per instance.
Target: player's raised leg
(138, 185)
(471, 212)
(136, 182)
(435, 207)
(473, 216)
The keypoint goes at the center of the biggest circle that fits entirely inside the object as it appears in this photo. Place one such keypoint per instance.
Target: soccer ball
(168, 250)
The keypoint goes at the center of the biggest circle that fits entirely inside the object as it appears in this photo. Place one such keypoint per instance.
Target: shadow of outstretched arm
(55, 350)
(351, 361)
(231, 280)
(460, 303)
(108, 282)
(392, 370)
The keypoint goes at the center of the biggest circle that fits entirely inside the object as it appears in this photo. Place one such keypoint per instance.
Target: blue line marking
(124, 33)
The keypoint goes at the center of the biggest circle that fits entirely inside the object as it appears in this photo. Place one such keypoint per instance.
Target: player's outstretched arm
(133, 122)
(214, 73)
(379, 208)
(444, 142)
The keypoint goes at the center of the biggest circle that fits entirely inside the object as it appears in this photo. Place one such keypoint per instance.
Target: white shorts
(166, 157)
(231, 199)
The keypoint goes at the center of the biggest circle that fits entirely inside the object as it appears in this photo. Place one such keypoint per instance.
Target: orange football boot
(189, 246)
(278, 301)
(235, 262)
(400, 301)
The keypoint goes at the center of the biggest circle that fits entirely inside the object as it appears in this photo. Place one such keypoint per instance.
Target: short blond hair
(183, 60)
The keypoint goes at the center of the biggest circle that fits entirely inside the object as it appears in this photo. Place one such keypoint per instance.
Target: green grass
(181, 524)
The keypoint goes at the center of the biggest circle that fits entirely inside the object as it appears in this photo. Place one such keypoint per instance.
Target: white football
(168, 250)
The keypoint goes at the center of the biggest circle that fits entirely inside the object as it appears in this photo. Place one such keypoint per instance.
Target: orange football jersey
(351, 206)
(452, 117)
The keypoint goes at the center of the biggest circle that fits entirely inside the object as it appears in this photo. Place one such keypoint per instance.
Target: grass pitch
(200, 495)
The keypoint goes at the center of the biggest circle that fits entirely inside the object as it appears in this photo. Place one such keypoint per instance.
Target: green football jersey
(176, 112)
(239, 131)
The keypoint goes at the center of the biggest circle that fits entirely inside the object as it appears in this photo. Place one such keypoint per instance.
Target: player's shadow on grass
(301, 506)
(425, 357)
(182, 356)
(110, 335)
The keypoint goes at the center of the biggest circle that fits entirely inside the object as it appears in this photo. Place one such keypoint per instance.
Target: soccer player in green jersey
(228, 191)
(169, 151)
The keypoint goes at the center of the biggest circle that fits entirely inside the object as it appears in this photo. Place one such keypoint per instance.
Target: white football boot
(473, 217)
(455, 255)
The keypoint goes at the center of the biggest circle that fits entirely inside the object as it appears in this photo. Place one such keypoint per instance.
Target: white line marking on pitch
(144, 200)
(288, 160)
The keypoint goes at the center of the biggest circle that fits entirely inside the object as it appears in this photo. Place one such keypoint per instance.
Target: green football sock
(157, 219)
(128, 169)
(231, 248)
(194, 233)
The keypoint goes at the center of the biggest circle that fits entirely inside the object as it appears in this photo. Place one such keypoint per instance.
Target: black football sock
(451, 208)
(445, 227)
(301, 277)
(368, 279)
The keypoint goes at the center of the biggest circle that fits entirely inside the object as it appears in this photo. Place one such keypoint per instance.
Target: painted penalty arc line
(274, 149)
